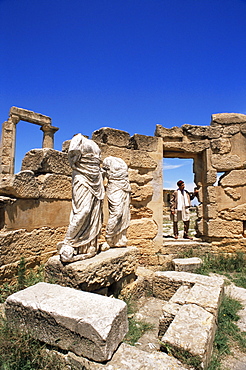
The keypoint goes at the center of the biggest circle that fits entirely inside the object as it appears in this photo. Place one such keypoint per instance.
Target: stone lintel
(103, 270)
(30, 116)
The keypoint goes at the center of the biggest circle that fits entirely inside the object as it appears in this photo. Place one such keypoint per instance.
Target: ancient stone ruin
(35, 204)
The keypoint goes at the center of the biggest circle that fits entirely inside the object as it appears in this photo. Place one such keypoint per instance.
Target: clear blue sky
(126, 64)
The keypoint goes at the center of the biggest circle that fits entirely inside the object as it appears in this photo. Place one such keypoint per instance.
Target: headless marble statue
(87, 198)
(118, 195)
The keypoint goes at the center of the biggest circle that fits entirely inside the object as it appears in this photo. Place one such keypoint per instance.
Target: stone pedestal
(105, 273)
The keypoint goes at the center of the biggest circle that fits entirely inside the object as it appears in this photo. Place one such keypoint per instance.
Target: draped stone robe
(87, 196)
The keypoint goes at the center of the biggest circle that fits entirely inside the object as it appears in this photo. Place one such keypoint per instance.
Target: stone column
(8, 145)
(48, 138)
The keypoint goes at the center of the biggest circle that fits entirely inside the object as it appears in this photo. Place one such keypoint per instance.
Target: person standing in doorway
(180, 208)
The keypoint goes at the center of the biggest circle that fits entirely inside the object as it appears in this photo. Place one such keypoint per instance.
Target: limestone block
(30, 214)
(170, 309)
(211, 176)
(188, 147)
(207, 297)
(228, 118)
(211, 194)
(227, 229)
(212, 211)
(140, 179)
(142, 212)
(243, 128)
(115, 151)
(141, 159)
(187, 264)
(142, 142)
(220, 146)
(196, 131)
(94, 273)
(37, 243)
(180, 295)
(53, 186)
(111, 136)
(234, 178)
(225, 162)
(214, 132)
(167, 133)
(141, 193)
(192, 329)
(231, 130)
(87, 324)
(166, 283)
(46, 161)
(233, 193)
(21, 185)
(236, 213)
(142, 228)
(127, 358)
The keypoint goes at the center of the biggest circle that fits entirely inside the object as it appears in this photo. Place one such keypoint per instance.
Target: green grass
(232, 266)
(227, 332)
(136, 327)
(19, 351)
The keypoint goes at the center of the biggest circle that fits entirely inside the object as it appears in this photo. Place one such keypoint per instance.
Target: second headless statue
(118, 196)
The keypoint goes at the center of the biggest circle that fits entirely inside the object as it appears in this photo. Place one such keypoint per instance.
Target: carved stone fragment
(142, 142)
(111, 136)
(46, 161)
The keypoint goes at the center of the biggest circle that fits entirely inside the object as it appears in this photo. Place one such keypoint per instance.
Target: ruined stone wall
(218, 151)
(35, 203)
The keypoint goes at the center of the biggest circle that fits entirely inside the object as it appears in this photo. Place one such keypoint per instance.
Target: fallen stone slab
(169, 310)
(101, 271)
(192, 330)
(87, 324)
(166, 283)
(125, 358)
(187, 264)
(207, 297)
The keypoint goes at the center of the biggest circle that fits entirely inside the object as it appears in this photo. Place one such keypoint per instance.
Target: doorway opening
(175, 169)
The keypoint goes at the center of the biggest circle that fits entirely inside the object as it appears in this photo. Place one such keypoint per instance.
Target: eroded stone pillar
(8, 145)
(48, 138)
